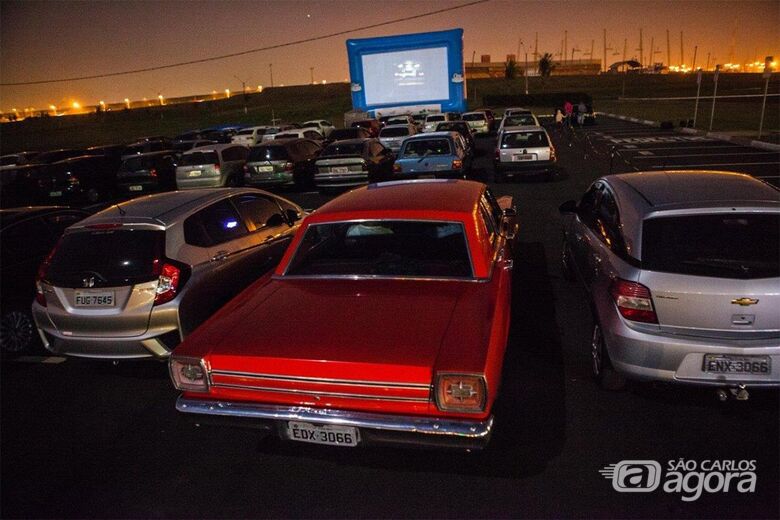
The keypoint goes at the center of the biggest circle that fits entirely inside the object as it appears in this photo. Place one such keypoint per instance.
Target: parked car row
(423, 258)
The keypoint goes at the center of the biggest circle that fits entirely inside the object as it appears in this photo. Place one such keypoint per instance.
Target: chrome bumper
(374, 428)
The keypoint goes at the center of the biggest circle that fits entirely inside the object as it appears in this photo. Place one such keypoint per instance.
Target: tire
(17, 332)
(567, 268)
(232, 182)
(600, 364)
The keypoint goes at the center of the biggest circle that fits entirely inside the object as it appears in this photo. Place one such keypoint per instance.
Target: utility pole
(311, 71)
(565, 44)
(714, 94)
(698, 91)
(526, 74)
(536, 47)
(707, 66)
(695, 50)
(668, 50)
(682, 50)
(767, 74)
(605, 50)
(243, 91)
(271, 69)
(652, 52)
(641, 49)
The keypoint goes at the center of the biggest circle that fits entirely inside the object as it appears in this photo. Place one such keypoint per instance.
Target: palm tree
(546, 65)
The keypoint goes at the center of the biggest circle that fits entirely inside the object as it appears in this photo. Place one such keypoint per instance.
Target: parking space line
(665, 166)
(704, 155)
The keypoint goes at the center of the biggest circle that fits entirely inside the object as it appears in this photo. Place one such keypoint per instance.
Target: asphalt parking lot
(88, 439)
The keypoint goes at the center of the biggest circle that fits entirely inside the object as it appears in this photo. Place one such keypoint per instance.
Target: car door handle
(221, 255)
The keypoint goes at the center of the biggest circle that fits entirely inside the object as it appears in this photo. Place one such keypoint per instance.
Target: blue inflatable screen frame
(452, 40)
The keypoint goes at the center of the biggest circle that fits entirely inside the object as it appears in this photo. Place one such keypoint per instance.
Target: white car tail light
(460, 392)
(188, 374)
(633, 300)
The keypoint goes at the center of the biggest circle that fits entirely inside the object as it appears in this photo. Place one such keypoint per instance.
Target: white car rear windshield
(393, 132)
(197, 158)
(383, 248)
(524, 140)
(474, 117)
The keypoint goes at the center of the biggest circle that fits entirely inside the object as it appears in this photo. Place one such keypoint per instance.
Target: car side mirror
(570, 206)
(292, 216)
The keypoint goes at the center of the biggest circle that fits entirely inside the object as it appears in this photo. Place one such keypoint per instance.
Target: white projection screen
(406, 76)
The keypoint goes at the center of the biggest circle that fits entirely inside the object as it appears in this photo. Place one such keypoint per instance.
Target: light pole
(767, 74)
(311, 72)
(714, 93)
(271, 70)
(243, 91)
(698, 90)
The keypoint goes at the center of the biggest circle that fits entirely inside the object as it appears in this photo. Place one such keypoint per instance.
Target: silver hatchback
(134, 279)
(211, 166)
(683, 275)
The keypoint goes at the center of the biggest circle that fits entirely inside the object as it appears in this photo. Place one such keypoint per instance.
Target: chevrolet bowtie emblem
(744, 301)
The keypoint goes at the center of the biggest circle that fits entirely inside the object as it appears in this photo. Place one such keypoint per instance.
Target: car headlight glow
(460, 392)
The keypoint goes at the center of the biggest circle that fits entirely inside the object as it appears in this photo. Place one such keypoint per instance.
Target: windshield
(383, 248)
(729, 245)
(113, 257)
(519, 120)
(394, 132)
(268, 153)
(435, 118)
(524, 140)
(474, 117)
(421, 147)
(194, 158)
(343, 149)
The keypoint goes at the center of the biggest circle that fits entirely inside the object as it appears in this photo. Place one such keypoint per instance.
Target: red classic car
(385, 322)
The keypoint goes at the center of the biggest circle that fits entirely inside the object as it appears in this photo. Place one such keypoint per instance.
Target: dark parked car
(147, 146)
(89, 178)
(183, 146)
(342, 134)
(115, 151)
(463, 128)
(27, 235)
(192, 135)
(53, 156)
(147, 173)
(221, 134)
(372, 125)
(352, 163)
(282, 162)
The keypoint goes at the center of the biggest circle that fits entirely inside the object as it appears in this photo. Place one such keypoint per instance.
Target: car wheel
(601, 366)
(566, 263)
(16, 332)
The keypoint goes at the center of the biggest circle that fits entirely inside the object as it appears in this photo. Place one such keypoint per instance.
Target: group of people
(567, 115)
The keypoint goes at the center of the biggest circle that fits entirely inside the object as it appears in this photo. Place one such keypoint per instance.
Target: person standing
(568, 110)
(582, 108)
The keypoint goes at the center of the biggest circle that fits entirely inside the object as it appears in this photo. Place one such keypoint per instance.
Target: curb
(715, 135)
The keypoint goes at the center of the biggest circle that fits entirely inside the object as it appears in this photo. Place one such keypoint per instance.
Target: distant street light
(161, 98)
(76, 105)
(227, 93)
(127, 102)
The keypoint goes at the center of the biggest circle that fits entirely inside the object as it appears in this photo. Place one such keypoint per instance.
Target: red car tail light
(397, 168)
(188, 374)
(41, 275)
(216, 167)
(153, 172)
(460, 392)
(457, 164)
(633, 300)
(169, 281)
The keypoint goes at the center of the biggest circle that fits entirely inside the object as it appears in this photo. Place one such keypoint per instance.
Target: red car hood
(374, 330)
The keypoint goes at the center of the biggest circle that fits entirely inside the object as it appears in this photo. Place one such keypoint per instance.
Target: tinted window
(195, 158)
(473, 117)
(524, 140)
(383, 248)
(16, 243)
(268, 153)
(114, 257)
(343, 149)
(139, 163)
(394, 132)
(258, 212)
(213, 225)
(245, 132)
(420, 147)
(519, 120)
(729, 245)
(435, 118)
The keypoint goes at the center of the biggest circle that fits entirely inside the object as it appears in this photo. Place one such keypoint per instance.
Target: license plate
(94, 299)
(194, 173)
(340, 169)
(329, 434)
(725, 364)
(136, 187)
(265, 169)
(523, 157)
(55, 194)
